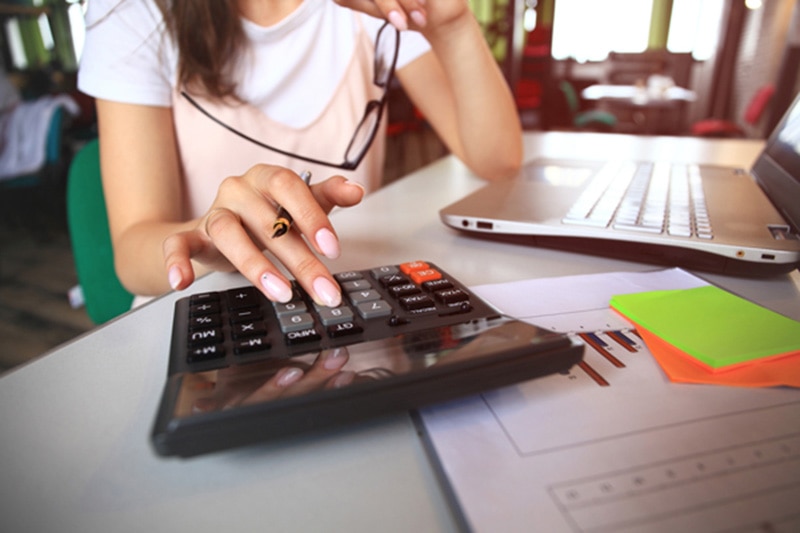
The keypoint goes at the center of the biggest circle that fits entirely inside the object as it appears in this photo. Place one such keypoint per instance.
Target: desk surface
(74, 449)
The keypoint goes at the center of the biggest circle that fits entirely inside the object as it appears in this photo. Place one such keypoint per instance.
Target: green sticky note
(715, 327)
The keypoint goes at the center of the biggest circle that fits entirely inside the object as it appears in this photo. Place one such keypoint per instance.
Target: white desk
(75, 424)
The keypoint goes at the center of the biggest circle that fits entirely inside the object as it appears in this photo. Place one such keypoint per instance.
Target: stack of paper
(708, 335)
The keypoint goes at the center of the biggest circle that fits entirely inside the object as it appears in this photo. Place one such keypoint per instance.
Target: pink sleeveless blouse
(209, 153)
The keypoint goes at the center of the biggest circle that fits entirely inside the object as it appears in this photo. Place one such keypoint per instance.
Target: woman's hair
(209, 36)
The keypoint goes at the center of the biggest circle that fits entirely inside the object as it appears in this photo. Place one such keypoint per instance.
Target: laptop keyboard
(647, 197)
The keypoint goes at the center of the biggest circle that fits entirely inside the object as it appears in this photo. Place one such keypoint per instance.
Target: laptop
(701, 217)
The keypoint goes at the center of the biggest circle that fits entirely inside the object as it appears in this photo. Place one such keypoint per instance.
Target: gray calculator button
(335, 315)
(363, 296)
(341, 277)
(374, 309)
(379, 272)
(290, 308)
(356, 285)
(296, 322)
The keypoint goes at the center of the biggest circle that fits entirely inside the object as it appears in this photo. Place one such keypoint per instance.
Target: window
(587, 30)
(694, 27)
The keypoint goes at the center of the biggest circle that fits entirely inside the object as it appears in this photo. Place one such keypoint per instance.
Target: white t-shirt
(291, 71)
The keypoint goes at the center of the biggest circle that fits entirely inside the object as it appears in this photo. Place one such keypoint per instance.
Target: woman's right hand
(237, 229)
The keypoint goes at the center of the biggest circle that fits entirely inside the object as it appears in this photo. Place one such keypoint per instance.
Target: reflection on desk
(655, 110)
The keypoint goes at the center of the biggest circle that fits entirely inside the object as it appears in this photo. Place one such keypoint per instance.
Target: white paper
(614, 446)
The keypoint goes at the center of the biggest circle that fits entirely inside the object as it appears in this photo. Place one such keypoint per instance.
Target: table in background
(75, 424)
(639, 109)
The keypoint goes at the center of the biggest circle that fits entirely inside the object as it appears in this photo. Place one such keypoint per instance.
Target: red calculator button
(408, 268)
(421, 276)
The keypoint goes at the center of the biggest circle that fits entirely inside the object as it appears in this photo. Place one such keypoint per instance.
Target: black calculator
(243, 369)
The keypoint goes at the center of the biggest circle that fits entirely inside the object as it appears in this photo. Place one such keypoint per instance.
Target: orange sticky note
(679, 367)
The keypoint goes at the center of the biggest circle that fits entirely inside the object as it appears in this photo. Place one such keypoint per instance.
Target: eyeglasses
(387, 45)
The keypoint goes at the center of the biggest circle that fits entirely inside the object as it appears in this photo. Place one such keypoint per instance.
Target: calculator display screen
(420, 355)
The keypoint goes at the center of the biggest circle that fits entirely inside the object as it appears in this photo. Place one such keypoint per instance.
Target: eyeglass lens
(385, 51)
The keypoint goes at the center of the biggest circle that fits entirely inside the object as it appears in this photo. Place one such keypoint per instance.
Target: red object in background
(715, 127)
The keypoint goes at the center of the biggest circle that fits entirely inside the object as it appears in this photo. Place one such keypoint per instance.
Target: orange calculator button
(421, 276)
(408, 268)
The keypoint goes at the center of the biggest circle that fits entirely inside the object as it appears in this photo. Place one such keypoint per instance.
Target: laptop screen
(778, 168)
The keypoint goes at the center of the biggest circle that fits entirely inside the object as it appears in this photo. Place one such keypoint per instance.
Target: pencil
(283, 220)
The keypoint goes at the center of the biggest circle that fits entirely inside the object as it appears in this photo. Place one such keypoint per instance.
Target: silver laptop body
(702, 217)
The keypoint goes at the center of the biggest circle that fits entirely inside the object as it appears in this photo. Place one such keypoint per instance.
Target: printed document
(614, 446)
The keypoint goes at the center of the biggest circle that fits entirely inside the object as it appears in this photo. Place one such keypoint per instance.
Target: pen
(284, 220)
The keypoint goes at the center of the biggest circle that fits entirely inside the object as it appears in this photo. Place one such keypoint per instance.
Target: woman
(202, 106)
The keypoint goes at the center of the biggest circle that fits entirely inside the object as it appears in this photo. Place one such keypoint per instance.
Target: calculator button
(203, 297)
(364, 296)
(243, 297)
(356, 285)
(379, 272)
(418, 302)
(204, 321)
(343, 329)
(204, 308)
(245, 315)
(290, 308)
(451, 296)
(335, 315)
(248, 329)
(342, 277)
(437, 285)
(406, 289)
(412, 266)
(302, 336)
(205, 336)
(296, 322)
(421, 276)
(393, 279)
(206, 353)
(256, 344)
(374, 309)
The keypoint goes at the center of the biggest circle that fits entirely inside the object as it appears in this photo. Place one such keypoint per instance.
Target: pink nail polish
(175, 277)
(289, 376)
(326, 292)
(419, 18)
(335, 359)
(397, 20)
(276, 289)
(328, 243)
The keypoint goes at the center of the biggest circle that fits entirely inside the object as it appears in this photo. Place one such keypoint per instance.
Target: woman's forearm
(487, 121)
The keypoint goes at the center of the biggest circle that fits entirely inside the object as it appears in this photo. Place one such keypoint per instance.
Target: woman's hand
(417, 15)
(238, 228)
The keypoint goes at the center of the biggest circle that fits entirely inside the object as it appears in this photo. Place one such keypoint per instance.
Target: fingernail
(397, 20)
(335, 359)
(419, 18)
(327, 293)
(175, 277)
(276, 289)
(343, 379)
(328, 243)
(289, 376)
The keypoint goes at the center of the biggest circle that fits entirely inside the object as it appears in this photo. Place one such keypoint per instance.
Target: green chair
(103, 294)
(592, 119)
